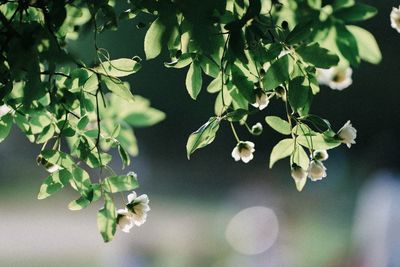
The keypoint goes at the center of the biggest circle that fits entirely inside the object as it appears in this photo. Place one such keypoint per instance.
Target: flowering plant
(253, 52)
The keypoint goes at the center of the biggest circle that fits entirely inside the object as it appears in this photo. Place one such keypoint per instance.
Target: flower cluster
(135, 212)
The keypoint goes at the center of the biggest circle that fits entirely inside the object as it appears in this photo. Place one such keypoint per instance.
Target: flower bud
(300, 176)
(257, 129)
(262, 100)
(347, 134)
(316, 170)
(320, 155)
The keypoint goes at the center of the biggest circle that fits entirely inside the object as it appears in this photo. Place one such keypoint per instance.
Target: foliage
(252, 51)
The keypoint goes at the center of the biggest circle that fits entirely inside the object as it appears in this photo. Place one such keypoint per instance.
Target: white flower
(124, 220)
(320, 155)
(300, 177)
(138, 207)
(4, 109)
(262, 100)
(243, 151)
(316, 170)
(336, 78)
(348, 134)
(257, 129)
(395, 19)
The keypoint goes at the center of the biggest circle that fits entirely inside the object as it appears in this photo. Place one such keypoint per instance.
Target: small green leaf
(215, 85)
(367, 45)
(147, 117)
(117, 68)
(281, 150)
(85, 201)
(83, 122)
(91, 84)
(237, 115)
(299, 95)
(279, 125)
(119, 88)
(56, 157)
(5, 126)
(79, 204)
(153, 39)
(194, 80)
(357, 12)
(277, 73)
(53, 183)
(107, 219)
(114, 184)
(300, 33)
(204, 136)
(209, 66)
(244, 86)
(317, 123)
(317, 56)
(318, 142)
(124, 156)
(46, 134)
(347, 44)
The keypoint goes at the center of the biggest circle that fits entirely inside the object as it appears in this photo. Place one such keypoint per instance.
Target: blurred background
(214, 212)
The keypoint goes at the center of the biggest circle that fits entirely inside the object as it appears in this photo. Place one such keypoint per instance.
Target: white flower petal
(246, 159)
(236, 154)
(132, 196)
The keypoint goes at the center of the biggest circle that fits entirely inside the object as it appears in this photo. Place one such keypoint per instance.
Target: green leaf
(119, 88)
(318, 142)
(209, 66)
(357, 12)
(277, 73)
(244, 86)
(56, 157)
(91, 84)
(279, 125)
(316, 122)
(81, 181)
(347, 44)
(367, 46)
(281, 150)
(204, 136)
(153, 39)
(148, 117)
(194, 80)
(237, 115)
(5, 126)
(124, 156)
(46, 134)
(83, 122)
(215, 85)
(318, 56)
(120, 183)
(79, 204)
(300, 33)
(85, 201)
(107, 219)
(53, 183)
(117, 68)
(183, 61)
(299, 95)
